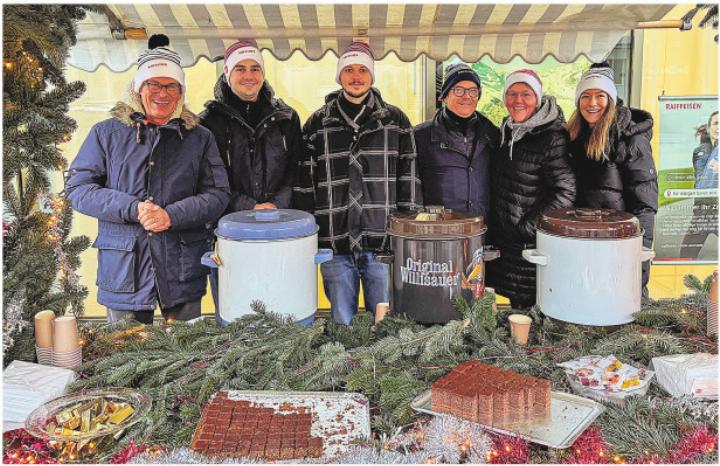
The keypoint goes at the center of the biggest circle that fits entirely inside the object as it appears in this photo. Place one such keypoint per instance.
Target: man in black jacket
(258, 135)
(358, 167)
(455, 147)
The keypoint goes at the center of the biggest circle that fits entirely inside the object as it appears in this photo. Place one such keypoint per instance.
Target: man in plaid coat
(358, 167)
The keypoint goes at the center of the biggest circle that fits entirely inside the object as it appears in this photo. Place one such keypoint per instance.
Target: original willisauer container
(589, 265)
(436, 254)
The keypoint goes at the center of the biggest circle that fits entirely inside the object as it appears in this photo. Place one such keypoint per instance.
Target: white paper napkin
(26, 386)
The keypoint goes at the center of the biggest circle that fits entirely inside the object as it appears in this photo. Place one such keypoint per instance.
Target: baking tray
(570, 416)
(340, 418)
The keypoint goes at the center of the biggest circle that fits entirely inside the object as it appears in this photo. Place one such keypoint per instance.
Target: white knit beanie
(243, 49)
(599, 76)
(357, 53)
(158, 61)
(528, 77)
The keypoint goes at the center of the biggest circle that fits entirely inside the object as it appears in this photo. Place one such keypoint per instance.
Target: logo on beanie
(156, 65)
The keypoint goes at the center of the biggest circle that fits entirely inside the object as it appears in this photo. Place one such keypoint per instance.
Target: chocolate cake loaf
(491, 396)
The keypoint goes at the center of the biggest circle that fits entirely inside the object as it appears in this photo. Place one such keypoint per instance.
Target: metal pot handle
(323, 255)
(646, 254)
(533, 256)
(490, 253)
(385, 257)
(211, 260)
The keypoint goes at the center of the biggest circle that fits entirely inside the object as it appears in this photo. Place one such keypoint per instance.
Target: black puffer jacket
(454, 165)
(536, 178)
(261, 161)
(627, 180)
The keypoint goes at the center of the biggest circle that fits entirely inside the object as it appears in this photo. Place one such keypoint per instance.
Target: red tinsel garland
(589, 448)
(508, 449)
(131, 450)
(694, 443)
(22, 448)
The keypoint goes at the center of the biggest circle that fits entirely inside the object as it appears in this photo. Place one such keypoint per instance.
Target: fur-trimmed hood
(130, 113)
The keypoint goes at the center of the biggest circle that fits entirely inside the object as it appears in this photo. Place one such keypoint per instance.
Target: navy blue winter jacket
(177, 166)
(454, 165)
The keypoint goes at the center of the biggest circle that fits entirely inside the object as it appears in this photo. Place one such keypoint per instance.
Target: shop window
(559, 79)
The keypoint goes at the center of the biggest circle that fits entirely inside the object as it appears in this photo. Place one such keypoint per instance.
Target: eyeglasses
(472, 92)
(155, 88)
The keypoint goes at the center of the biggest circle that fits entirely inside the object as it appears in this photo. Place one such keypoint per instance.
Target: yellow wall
(300, 83)
(678, 63)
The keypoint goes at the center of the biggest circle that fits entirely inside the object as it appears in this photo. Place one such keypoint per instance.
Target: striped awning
(438, 30)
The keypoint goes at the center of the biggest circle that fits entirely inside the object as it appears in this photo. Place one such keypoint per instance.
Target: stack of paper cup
(44, 337)
(67, 351)
(712, 309)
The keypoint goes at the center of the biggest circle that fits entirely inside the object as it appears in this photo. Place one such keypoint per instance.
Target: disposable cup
(43, 329)
(381, 310)
(44, 355)
(67, 357)
(520, 328)
(65, 334)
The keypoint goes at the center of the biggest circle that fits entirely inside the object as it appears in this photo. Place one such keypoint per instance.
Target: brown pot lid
(589, 223)
(435, 222)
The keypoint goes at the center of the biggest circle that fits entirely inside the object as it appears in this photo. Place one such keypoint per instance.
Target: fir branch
(327, 369)
(443, 341)
(397, 391)
(634, 427)
(634, 343)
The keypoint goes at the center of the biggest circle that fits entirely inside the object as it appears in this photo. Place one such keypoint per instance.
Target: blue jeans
(341, 280)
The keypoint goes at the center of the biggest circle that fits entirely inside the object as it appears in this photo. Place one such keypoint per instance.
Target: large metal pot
(436, 254)
(267, 255)
(589, 265)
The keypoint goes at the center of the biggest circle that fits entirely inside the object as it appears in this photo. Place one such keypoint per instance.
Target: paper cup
(44, 355)
(381, 310)
(68, 355)
(520, 328)
(43, 329)
(69, 359)
(65, 335)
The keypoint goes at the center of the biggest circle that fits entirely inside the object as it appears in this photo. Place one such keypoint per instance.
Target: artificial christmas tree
(39, 257)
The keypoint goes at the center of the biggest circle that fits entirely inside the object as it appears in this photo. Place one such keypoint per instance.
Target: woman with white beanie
(530, 175)
(611, 153)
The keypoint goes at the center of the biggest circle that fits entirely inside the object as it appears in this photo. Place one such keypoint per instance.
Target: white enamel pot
(269, 256)
(589, 280)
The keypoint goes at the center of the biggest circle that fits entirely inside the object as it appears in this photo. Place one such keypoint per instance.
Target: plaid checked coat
(353, 174)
